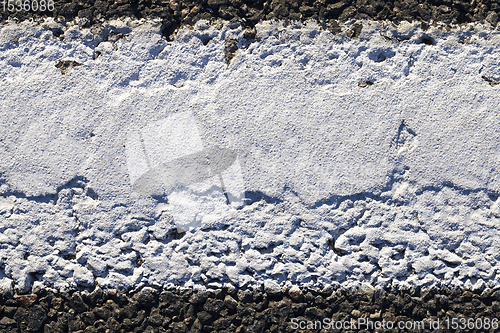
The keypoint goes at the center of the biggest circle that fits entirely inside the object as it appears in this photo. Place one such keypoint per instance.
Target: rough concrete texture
(365, 158)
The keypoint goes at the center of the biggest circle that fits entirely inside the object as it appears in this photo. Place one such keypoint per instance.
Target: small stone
(67, 65)
(216, 3)
(418, 313)
(309, 297)
(147, 297)
(334, 28)
(196, 325)
(102, 313)
(389, 316)
(87, 318)
(21, 315)
(258, 326)
(376, 315)
(492, 18)
(230, 49)
(121, 298)
(26, 300)
(6, 322)
(37, 317)
(9, 311)
(240, 329)
(496, 295)
(64, 318)
(169, 297)
(52, 315)
(100, 323)
(295, 294)
(245, 296)
(495, 306)
(314, 313)
(427, 40)
(112, 324)
(355, 30)
(486, 293)
(249, 34)
(257, 296)
(431, 305)
(189, 320)
(77, 303)
(55, 327)
(320, 302)
(155, 319)
(204, 317)
(198, 298)
(86, 14)
(367, 289)
(129, 310)
(138, 317)
(356, 313)
(476, 303)
(364, 84)
(306, 11)
(298, 309)
(127, 323)
(149, 329)
(281, 11)
(76, 325)
(442, 301)
(213, 306)
(95, 296)
(230, 303)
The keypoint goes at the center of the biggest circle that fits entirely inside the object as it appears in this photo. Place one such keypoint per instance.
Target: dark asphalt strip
(186, 12)
(221, 311)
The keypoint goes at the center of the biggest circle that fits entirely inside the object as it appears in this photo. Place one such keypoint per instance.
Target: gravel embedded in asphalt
(329, 13)
(233, 310)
